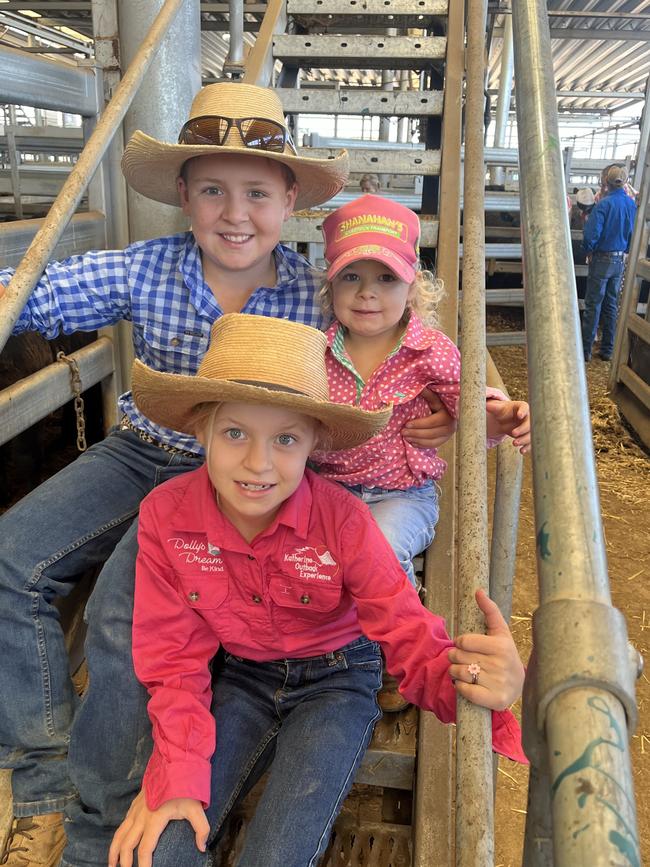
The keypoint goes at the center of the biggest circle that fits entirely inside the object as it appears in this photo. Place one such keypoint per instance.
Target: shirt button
(250, 557)
(175, 341)
(194, 596)
(304, 599)
(256, 599)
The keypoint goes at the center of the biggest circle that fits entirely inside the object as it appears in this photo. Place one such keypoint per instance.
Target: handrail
(259, 63)
(474, 772)
(580, 684)
(39, 252)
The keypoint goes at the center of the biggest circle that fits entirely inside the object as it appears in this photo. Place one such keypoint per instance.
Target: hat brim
(171, 399)
(151, 167)
(404, 270)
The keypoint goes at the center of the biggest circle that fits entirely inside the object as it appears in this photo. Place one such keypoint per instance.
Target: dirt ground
(624, 479)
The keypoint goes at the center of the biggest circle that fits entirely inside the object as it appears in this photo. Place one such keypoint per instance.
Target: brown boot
(35, 841)
(389, 698)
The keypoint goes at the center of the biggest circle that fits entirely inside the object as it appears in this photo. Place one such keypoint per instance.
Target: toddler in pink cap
(383, 348)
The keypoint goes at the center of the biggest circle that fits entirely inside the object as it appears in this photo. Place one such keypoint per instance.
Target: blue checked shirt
(158, 286)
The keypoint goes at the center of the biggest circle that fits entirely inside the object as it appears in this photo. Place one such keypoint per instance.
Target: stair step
(406, 162)
(367, 13)
(397, 103)
(390, 758)
(359, 52)
(305, 227)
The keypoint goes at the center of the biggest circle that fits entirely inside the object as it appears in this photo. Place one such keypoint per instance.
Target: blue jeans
(406, 518)
(310, 721)
(601, 302)
(82, 516)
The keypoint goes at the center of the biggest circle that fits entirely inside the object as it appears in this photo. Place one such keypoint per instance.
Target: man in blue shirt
(606, 240)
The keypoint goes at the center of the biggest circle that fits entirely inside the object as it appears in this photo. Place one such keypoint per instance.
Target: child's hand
(511, 417)
(430, 431)
(501, 673)
(142, 827)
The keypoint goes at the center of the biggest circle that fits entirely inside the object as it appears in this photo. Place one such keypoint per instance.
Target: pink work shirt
(200, 585)
(424, 358)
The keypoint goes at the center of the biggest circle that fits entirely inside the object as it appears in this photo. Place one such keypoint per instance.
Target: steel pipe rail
(474, 774)
(40, 250)
(32, 398)
(588, 757)
(46, 83)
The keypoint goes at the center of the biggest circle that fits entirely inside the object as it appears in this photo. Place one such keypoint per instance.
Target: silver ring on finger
(474, 669)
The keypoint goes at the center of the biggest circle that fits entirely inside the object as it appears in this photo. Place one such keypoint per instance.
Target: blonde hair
(428, 291)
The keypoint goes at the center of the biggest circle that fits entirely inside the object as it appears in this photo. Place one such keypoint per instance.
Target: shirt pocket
(299, 605)
(176, 349)
(202, 592)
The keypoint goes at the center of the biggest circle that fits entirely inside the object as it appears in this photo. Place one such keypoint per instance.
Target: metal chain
(75, 378)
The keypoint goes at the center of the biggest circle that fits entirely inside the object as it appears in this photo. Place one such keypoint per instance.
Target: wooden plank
(634, 411)
(640, 327)
(434, 785)
(639, 388)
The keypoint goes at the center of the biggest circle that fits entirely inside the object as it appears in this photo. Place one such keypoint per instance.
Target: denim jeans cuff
(22, 810)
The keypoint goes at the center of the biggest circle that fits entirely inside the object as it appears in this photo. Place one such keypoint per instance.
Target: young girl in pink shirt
(383, 350)
(290, 576)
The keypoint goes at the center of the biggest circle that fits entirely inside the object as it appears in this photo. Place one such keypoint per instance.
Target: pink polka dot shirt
(424, 358)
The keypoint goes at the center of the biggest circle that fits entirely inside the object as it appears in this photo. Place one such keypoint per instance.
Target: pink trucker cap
(372, 227)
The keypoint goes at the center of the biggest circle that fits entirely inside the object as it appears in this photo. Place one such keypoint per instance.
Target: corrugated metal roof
(601, 48)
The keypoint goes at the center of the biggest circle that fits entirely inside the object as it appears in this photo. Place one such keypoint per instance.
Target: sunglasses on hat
(257, 133)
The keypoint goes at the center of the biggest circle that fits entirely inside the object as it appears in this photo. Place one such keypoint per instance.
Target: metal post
(387, 83)
(644, 138)
(434, 789)
(507, 495)
(162, 103)
(583, 677)
(474, 773)
(14, 163)
(403, 128)
(65, 204)
(109, 184)
(234, 62)
(504, 97)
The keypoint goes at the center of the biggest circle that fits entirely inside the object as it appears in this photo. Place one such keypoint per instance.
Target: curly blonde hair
(429, 291)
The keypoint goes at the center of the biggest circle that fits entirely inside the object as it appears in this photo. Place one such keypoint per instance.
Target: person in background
(627, 186)
(369, 183)
(606, 240)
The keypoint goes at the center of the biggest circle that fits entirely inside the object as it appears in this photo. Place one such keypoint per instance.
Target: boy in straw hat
(289, 574)
(236, 174)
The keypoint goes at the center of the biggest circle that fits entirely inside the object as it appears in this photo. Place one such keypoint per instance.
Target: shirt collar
(416, 336)
(191, 267)
(198, 510)
(285, 269)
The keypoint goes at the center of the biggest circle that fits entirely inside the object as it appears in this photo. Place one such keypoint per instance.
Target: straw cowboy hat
(151, 167)
(256, 359)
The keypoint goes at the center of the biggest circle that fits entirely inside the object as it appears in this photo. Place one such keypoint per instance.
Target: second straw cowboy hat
(151, 167)
(256, 359)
